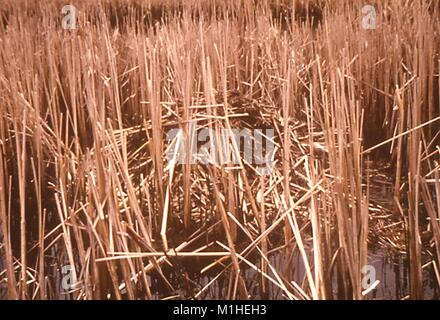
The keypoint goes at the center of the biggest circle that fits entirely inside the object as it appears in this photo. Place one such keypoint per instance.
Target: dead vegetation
(85, 180)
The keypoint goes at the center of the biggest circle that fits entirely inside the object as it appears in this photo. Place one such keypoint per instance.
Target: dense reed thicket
(92, 189)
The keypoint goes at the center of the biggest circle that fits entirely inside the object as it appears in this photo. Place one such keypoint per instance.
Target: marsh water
(390, 267)
(391, 270)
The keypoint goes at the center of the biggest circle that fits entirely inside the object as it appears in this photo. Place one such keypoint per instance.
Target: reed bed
(91, 186)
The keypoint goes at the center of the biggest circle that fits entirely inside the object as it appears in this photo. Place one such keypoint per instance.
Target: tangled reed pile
(90, 185)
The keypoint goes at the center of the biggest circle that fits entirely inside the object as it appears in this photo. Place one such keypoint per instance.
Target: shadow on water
(391, 270)
(186, 280)
(390, 265)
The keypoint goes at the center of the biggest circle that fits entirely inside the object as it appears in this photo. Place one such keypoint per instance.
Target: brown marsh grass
(85, 181)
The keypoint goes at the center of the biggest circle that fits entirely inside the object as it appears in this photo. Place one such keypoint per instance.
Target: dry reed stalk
(83, 170)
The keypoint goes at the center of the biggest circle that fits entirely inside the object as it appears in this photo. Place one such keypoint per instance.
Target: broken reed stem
(84, 176)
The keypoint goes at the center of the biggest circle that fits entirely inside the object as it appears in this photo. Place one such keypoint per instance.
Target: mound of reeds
(98, 200)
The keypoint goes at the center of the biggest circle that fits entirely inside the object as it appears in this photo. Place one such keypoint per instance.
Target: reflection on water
(391, 270)
(184, 274)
